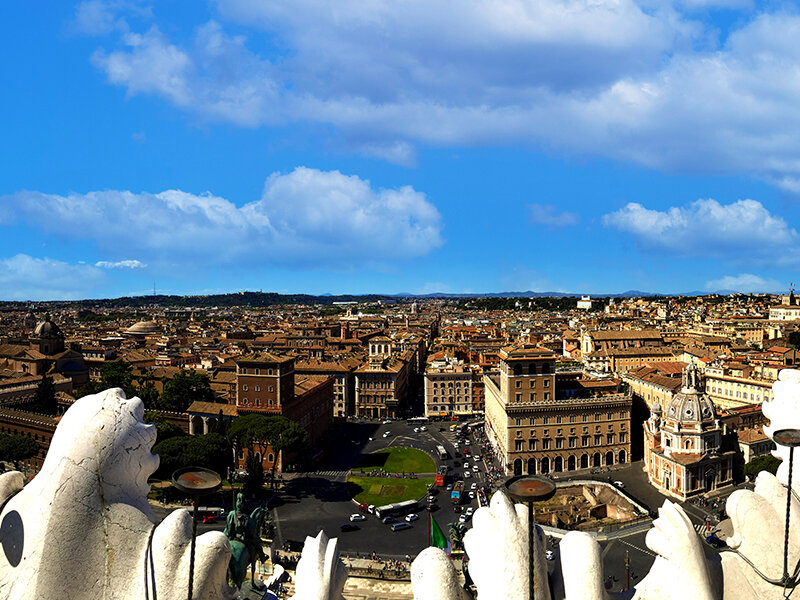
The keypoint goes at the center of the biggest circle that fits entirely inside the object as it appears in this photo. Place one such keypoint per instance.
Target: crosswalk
(326, 473)
(700, 528)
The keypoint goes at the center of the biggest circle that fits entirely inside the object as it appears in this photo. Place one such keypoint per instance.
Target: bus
(457, 493)
(440, 475)
(400, 508)
(442, 453)
(416, 421)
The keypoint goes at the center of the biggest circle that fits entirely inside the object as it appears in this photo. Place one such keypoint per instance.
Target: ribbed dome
(690, 405)
(143, 328)
(47, 329)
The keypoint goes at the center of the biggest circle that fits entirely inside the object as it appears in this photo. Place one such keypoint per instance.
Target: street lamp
(196, 482)
(529, 489)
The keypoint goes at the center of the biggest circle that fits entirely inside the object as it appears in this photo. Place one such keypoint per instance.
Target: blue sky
(416, 146)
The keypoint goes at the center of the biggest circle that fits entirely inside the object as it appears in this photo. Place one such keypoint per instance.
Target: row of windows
(257, 388)
(257, 402)
(545, 397)
(572, 430)
(584, 418)
(518, 383)
(256, 371)
(572, 442)
(449, 384)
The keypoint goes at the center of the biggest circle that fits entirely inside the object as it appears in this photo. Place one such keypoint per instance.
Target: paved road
(320, 500)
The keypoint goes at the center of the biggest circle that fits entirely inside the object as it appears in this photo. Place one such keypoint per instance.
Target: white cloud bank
(24, 277)
(120, 264)
(648, 85)
(745, 283)
(743, 231)
(307, 216)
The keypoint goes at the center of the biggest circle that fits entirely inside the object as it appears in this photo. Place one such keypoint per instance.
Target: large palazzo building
(533, 429)
(682, 444)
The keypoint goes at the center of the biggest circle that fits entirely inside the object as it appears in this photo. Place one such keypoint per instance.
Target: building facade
(533, 430)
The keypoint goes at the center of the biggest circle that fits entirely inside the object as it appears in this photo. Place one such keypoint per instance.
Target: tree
(15, 448)
(166, 429)
(210, 451)
(794, 340)
(117, 374)
(765, 462)
(149, 394)
(186, 387)
(259, 433)
(89, 388)
(45, 399)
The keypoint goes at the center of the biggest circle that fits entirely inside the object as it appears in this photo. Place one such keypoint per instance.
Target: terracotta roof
(750, 436)
(213, 408)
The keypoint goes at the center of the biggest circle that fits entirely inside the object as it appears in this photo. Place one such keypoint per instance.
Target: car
(474, 485)
(209, 519)
(388, 520)
(416, 429)
(467, 474)
(387, 434)
(371, 509)
(400, 526)
(619, 484)
(349, 527)
(464, 518)
(449, 487)
(431, 499)
(475, 468)
(423, 428)
(412, 517)
(549, 555)
(472, 494)
(466, 465)
(357, 517)
(470, 511)
(386, 422)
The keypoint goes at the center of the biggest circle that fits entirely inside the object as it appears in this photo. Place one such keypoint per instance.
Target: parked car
(387, 434)
(400, 526)
(388, 520)
(619, 484)
(464, 518)
(467, 474)
(357, 517)
(470, 511)
(474, 485)
(423, 428)
(387, 421)
(416, 429)
(475, 468)
(371, 509)
(472, 494)
(412, 517)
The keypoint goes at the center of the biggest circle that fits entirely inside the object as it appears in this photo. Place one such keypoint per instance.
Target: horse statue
(243, 532)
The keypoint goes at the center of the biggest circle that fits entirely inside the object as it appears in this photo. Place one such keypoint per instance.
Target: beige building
(449, 389)
(731, 387)
(381, 385)
(787, 310)
(534, 430)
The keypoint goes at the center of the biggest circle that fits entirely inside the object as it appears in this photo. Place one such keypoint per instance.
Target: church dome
(143, 328)
(691, 405)
(47, 329)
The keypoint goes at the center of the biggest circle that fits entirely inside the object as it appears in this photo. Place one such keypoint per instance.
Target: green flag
(438, 538)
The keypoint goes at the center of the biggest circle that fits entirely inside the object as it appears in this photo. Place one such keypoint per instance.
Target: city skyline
(398, 148)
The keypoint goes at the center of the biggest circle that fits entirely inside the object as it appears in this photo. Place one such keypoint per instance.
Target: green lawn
(397, 460)
(387, 490)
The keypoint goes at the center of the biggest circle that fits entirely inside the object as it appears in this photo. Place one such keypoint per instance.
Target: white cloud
(549, 216)
(646, 85)
(745, 283)
(120, 264)
(303, 217)
(740, 231)
(24, 277)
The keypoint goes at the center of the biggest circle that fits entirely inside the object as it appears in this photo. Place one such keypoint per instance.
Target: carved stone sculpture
(320, 575)
(83, 529)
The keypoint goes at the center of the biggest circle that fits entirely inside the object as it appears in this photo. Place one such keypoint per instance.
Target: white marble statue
(81, 530)
(320, 574)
